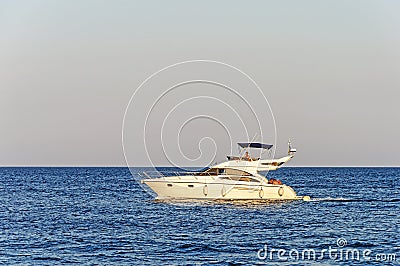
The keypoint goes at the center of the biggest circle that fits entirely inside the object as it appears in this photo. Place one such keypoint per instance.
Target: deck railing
(196, 175)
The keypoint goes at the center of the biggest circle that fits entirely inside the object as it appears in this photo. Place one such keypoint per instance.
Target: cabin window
(236, 172)
(190, 185)
(221, 171)
(169, 185)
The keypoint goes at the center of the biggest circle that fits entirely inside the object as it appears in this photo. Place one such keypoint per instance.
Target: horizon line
(125, 166)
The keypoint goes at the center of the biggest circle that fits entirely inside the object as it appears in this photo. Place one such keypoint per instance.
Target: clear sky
(330, 71)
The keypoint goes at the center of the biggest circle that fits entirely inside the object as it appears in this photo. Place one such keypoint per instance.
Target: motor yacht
(238, 178)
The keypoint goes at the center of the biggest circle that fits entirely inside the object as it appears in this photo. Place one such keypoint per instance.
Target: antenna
(291, 151)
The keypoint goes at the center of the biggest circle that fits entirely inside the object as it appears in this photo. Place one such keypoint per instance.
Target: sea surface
(102, 216)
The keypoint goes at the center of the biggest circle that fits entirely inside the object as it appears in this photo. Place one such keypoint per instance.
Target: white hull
(168, 188)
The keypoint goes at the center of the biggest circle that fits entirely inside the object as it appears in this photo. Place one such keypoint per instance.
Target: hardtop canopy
(256, 145)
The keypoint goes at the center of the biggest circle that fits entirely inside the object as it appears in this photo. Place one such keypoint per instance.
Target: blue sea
(102, 216)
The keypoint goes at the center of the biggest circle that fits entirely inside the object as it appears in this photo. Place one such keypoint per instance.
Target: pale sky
(330, 71)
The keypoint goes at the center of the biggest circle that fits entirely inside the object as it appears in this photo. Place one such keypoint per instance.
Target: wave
(330, 199)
